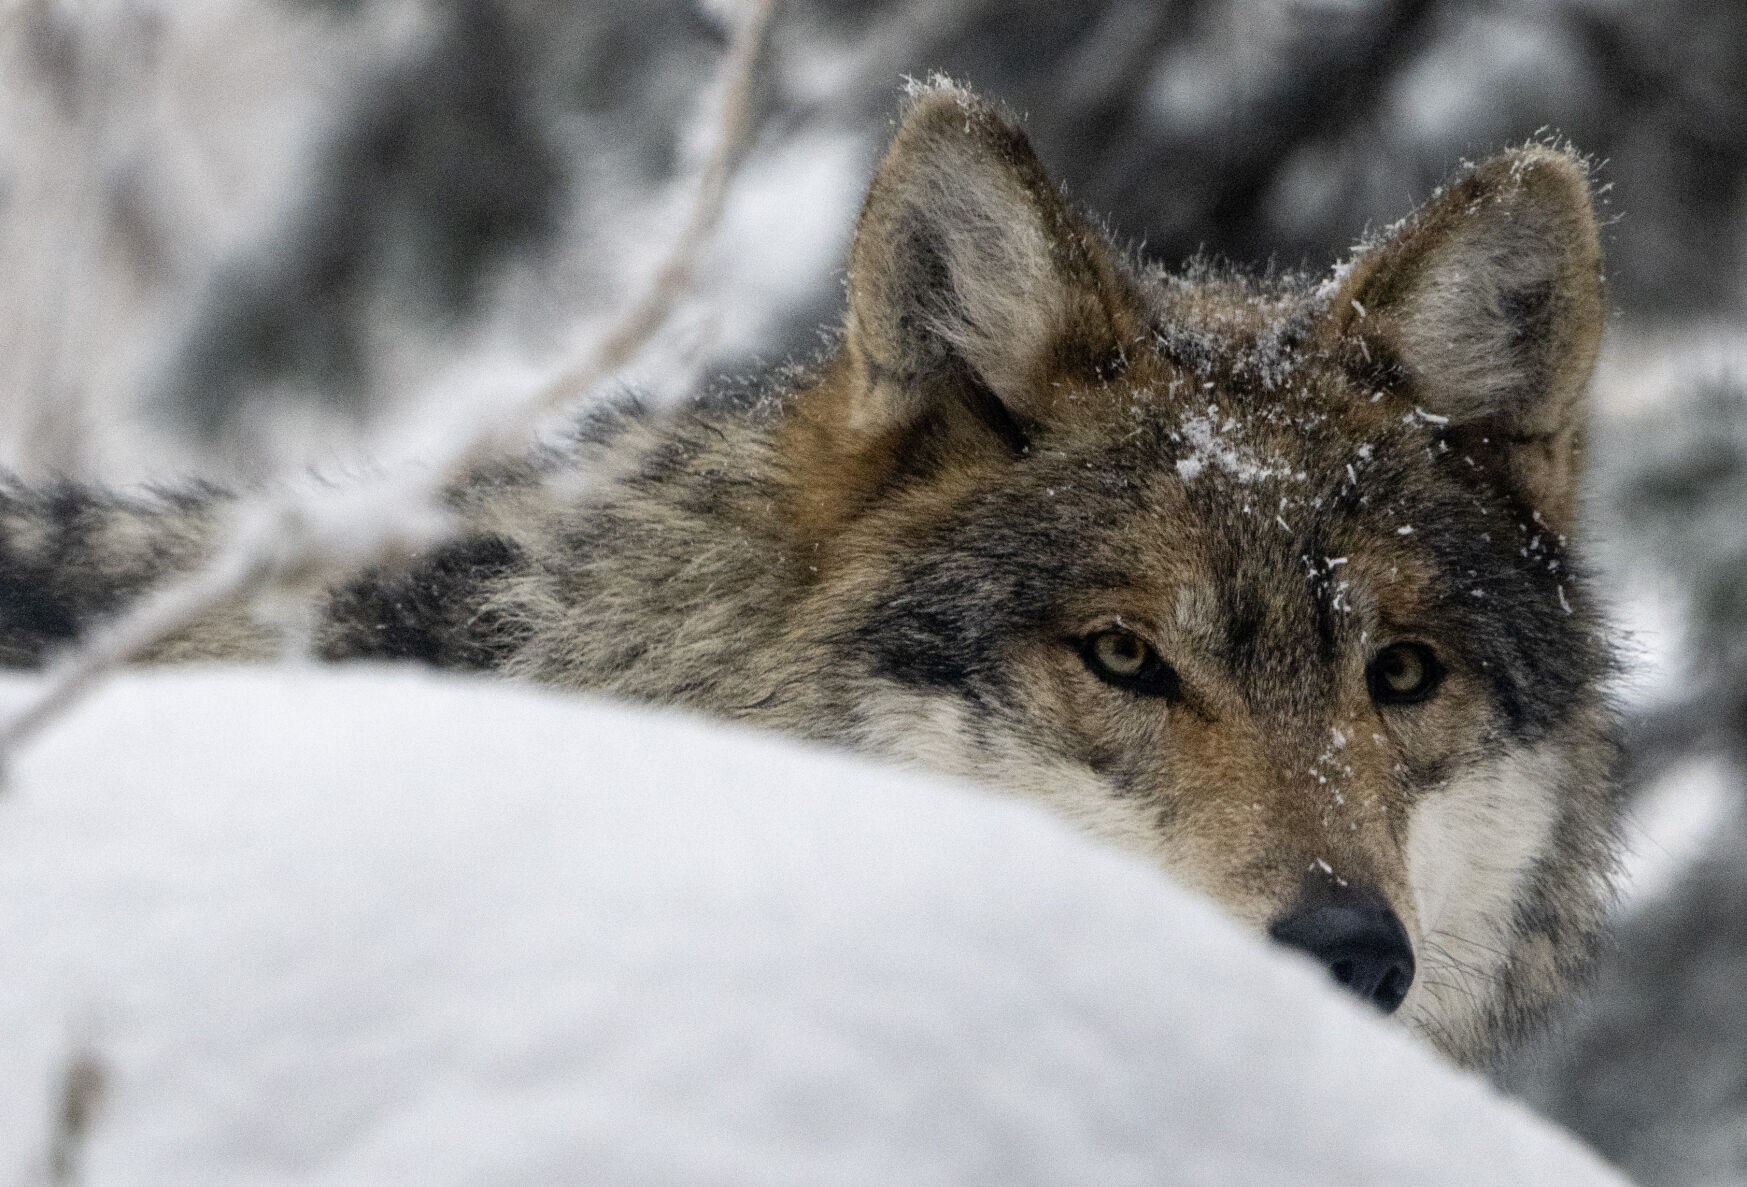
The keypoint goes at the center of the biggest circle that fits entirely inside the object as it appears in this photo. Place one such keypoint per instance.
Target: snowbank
(380, 927)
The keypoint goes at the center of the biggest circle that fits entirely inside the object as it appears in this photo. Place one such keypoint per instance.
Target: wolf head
(1267, 580)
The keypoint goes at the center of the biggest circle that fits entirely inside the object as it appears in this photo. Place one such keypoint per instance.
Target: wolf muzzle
(1354, 932)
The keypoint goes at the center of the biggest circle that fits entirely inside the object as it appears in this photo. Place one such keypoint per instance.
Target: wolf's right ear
(972, 278)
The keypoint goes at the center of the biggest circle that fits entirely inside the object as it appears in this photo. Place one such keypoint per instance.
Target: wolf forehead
(1277, 527)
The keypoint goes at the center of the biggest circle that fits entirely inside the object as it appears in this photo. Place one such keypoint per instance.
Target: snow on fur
(384, 927)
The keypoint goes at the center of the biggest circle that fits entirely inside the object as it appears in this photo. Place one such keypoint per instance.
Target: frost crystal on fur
(1216, 443)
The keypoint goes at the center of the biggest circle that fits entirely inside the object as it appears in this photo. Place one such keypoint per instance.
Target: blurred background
(241, 238)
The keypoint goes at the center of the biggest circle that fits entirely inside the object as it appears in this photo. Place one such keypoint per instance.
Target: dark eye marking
(1123, 659)
(1404, 674)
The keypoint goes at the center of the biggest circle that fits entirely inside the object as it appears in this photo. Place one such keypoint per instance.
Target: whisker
(1446, 959)
(1471, 942)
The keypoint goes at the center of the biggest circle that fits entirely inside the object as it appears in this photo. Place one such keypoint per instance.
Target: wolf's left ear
(971, 276)
(1486, 307)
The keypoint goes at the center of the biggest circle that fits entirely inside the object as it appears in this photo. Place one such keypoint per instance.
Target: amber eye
(1404, 673)
(1126, 660)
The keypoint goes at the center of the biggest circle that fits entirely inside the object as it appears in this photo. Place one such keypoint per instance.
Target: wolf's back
(71, 556)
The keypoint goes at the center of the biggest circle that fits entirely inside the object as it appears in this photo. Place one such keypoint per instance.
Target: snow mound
(380, 927)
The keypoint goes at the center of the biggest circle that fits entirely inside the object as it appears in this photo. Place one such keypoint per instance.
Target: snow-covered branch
(295, 539)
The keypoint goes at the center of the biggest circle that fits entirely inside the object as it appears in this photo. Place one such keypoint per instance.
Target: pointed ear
(1486, 307)
(971, 276)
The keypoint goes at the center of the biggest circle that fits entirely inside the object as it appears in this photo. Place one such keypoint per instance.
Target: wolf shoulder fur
(1266, 580)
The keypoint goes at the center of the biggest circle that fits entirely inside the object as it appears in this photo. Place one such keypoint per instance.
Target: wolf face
(1268, 581)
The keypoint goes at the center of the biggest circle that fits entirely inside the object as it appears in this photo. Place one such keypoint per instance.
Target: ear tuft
(1486, 307)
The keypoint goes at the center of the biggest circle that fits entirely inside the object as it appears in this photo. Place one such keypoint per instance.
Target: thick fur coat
(1268, 580)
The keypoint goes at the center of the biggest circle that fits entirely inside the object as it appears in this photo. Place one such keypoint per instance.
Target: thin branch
(262, 550)
(81, 1096)
(673, 280)
(279, 542)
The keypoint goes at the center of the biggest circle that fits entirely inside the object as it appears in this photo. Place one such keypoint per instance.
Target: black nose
(1354, 933)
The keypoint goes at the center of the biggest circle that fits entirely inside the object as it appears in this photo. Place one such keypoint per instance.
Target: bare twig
(263, 548)
(278, 542)
(80, 1097)
(674, 278)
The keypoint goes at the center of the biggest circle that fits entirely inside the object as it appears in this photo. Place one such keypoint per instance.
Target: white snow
(379, 927)
(1217, 443)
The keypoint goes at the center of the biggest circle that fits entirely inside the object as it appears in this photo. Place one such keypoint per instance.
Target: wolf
(1267, 578)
